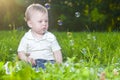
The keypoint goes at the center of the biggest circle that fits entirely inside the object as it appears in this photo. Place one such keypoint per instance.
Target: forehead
(38, 14)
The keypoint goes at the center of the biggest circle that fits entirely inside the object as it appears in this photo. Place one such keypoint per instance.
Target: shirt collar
(29, 35)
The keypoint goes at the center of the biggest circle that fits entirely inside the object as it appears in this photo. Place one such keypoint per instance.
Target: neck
(36, 35)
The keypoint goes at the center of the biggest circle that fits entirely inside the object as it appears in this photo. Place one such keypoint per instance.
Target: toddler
(38, 45)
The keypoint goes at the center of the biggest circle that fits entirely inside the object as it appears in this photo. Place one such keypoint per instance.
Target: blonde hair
(34, 7)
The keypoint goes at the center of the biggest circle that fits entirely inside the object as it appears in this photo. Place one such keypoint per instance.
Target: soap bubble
(60, 22)
(77, 14)
(47, 5)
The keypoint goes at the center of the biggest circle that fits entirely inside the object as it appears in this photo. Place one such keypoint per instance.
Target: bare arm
(25, 58)
(58, 56)
(22, 56)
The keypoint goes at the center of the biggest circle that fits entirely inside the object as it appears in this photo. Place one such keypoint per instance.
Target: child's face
(38, 22)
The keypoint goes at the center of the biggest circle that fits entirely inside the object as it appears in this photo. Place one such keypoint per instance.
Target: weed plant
(86, 56)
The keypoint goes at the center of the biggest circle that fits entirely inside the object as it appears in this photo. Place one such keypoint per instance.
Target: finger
(29, 60)
(33, 61)
(27, 54)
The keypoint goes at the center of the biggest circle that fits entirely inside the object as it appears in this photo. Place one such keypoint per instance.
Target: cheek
(47, 27)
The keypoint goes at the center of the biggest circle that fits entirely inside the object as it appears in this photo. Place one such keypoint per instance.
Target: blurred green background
(65, 15)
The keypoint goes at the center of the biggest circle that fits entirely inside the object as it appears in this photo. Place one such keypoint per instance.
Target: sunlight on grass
(5, 4)
(8, 4)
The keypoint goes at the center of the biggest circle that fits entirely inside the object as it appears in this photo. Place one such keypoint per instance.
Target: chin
(43, 32)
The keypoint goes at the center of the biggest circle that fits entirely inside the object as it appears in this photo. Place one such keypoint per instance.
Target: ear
(29, 23)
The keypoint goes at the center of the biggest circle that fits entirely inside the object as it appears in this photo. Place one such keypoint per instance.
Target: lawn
(87, 56)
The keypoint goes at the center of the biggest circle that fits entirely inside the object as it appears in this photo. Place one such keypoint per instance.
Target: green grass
(86, 56)
(95, 47)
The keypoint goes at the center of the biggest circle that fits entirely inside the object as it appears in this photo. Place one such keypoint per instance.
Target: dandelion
(10, 26)
(69, 34)
(70, 4)
(66, 2)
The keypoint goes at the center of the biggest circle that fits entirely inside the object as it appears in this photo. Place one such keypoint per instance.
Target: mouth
(44, 30)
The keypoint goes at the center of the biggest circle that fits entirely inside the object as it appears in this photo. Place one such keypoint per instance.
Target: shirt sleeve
(22, 45)
(55, 45)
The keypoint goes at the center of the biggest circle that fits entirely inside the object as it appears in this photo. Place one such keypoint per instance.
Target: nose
(44, 23)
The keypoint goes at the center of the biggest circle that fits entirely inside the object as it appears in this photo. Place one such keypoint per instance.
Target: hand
(31, 61)
(27, 54)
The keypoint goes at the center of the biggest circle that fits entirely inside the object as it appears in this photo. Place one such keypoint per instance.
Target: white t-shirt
(39, 49)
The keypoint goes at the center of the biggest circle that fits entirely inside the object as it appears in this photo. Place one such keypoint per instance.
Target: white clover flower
(72, 69)
(37, 69)
(115, 72)
(94, 38)
(92, 71)
(84, 51)
(66, 64)
(17, 67)
(7, 68)
(100, 70)
(99, 49)
(71, 42)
